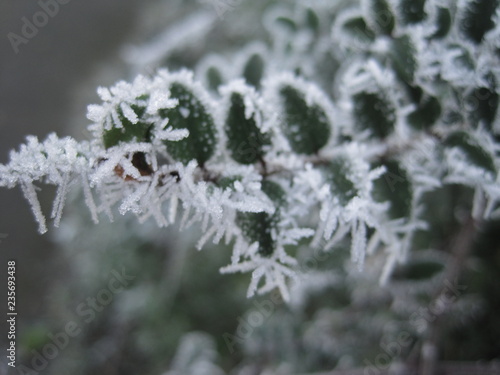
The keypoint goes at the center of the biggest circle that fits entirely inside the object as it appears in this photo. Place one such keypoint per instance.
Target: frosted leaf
(242, 116)
(379, 15)
(194, 112)
(351, 31)
(470, 158)
(370, 98)
(355, 211)
(470, 162)
(305, 114)
(121, 95)
(250, 97)
(251, 63)
(212, 71)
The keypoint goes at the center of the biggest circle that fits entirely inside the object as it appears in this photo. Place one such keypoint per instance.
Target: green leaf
(192, 115)
(305, 126)
(357, 29)
(426, 114)
(395, 187)
(403, 58)
(214, 78)
(341, 185)
(287, 23)
(257, 227)
(478, 19)
(274, 191)
(444, 22)
(412, 11)
(373, 112)
(245, 141)
(380, 17)
(476, 155)
(129, 132)
(312, 20)
(482, 106)
(254, 70)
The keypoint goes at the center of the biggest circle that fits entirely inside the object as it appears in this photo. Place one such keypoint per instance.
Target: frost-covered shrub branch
(265, 160)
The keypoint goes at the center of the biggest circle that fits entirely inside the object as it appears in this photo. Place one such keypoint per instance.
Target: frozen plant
(336, 127)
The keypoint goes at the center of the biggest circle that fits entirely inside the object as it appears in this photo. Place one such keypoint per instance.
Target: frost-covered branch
(268, 155)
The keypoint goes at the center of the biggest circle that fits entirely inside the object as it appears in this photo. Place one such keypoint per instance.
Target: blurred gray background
(38, 96)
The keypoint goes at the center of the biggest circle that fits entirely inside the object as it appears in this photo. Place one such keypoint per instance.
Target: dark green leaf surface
(426, 114)
(474, 152)
(482, 105)
(395, 187)
(258, 226)
(312, 20)
(341, 186)
(254, 70)
(359, 30)
(412, 11)
(244, 139)
(305, 126)
(444, 23)
(375, 113)
(381, 15)
(190, 114)
(478, 19)
(403, 58)
(287, 23)
(214, 78)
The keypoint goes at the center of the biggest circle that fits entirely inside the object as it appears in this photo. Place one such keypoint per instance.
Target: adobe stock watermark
(419, 320)
(246, 326)
(31, 26)
(264, 310)
(480, 98)
(87, 312)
